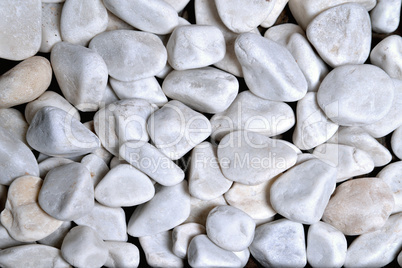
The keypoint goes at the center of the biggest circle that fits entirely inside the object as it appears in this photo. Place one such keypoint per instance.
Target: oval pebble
(387, 55)
(385, 16)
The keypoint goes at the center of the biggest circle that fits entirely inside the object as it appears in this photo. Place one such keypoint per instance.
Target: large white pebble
(81, 21)
(200, 209)
(392, 175)
(346, 91)
(122, 254)
(279, 244)
(51, 14)
(195, 46)
(55, 239)
(168, 208)
(82, 247)
(385, 16)
(326, 246)
(270, 71)
(396, 142)
(341, 35)
(182, 236)
(20, 28)
(14, 121)
(387, 55)
(206, 90)
(130, 55)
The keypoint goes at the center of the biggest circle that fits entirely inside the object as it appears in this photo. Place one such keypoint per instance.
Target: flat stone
(67, 192)
(341, 34)
(14, 121)
(207, 90)
(122, 254)
(252, 113)
(279, 244)
(23, 218)
(81, 73)
(6, 240)
(270, 71)
(20, 29)
(302, 193)
(65, 135)
(396, 142)
(251, 158)
(50, 163)
(56, 238)
(51, 14)
(326, 246)
(205, 177)
(276, 11)
(387, 55)
(130, 55)
(182, 236)
(109, 223)
(29, 255)
(385, 16)
(169, 208)
(281, 33)
(392, 175)
(124, 186)
(344, 93)
(359, 206)
(81, 21)
(83, 247)
(25, 82)
(200, 209)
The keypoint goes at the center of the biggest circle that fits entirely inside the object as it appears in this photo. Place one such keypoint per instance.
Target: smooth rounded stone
(392, 175)
(279, 244)
(14, 121)
(32, 256)
(326, 246)
(124, 186)
(151, 161)
(182, 236)
(270, 71)
(51, 14)
(348, 161)
(243, 255)
(178, 5)
(16, 159)
(158, 250)
(200, 209)
(359, 206)
(116, 161)
(344, 93)
(378, 248)
(96, 166)
(205, 177)
(83, 247)
(167, 209)
(175, 129)
(341, 35)
(81, 73)
(392, 120)
(302, 193)
(202, 252)
(50, 163)
(360, 139)
(305, 11)
(230, 228)
(109, 96)
(65, 135)
(20, 29)
(123, 121)
(109, 223)
(251, 158)
(313, 127)
(252, 199)
(252, 113)
(23, 217)
(279, 6)
(147, 89)
(385, 16)
(25, 82)
(81, 21)
(195, 46)
(6, 240)
(130, 55)
(115, 23)
(243, 16)
(281, 33)
(122, 254)
(207, 90)
(387, 55)
(396, 142)
(41, 157)
(301, 158)
(67, 192)
(288, 143)
(55, 239)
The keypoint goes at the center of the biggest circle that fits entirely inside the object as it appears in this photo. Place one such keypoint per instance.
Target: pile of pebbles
(207, 133)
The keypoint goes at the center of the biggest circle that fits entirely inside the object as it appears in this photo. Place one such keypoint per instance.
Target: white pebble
(182, 236)
(281, 33)
(385, 16)
(392, 175)
(51, 14)
(122, 254)
(278, 8)
(115, 23)
(396, 142)
(14, 121)
(387, 55)
(50, 163)
(200, 209)
(96, 166)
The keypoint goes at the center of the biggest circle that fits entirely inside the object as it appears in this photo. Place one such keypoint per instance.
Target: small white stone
(385, 16)
(109, 223)
(122, 254)
(396, 142)
(6, 240)
(252, 113)
(51, 14)
(82, 247)
(158, 250)
(14, 121)
(182, 236)
(270, 71)
(55, 239)
(279, 244)
(392, 175)
(96, 167)
(281, 33)
(200, 209)
(50, 163)
(81, 21)
(326, 246)
(130, 55)
(278, 8)
(341, 34)
(387, 55)
(169, 208)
